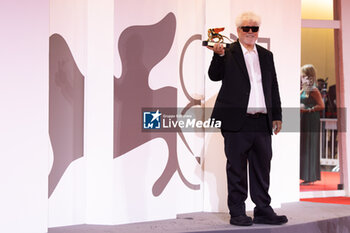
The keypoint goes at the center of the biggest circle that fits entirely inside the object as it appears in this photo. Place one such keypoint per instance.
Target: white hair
(248, 16)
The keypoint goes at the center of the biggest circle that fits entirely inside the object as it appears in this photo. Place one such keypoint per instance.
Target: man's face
(320, 84)
(250, 37)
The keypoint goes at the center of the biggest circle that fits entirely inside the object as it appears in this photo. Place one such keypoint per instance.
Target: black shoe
(305, 183)
(242, 220)
(272, 219)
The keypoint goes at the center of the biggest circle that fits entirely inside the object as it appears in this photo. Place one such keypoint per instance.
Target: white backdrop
(134, 200)
(98, 187)
(24, 27)
(67, 203)
(121, 190)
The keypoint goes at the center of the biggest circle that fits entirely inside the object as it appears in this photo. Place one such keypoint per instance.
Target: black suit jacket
(232, 101)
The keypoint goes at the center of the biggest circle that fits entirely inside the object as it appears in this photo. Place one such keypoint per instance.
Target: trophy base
(211, 43)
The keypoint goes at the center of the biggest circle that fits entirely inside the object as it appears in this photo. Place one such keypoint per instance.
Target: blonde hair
(248, 16)
(309, 71)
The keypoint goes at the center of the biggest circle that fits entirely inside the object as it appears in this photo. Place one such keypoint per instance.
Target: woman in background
(311, 104)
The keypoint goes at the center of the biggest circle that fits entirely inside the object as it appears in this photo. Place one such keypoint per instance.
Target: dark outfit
(309, 141)
(246, 137)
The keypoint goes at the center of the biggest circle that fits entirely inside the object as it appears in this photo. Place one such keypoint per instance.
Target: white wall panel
(24, 48)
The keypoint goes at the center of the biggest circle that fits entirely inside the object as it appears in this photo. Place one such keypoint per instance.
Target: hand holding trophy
(215, 40)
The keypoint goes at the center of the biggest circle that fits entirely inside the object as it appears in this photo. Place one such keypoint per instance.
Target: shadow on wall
(139, 55)
(66, 109)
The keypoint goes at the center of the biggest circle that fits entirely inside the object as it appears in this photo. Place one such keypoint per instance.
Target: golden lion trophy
(215, 37)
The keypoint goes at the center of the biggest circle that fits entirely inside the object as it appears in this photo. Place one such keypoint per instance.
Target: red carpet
(331, 200)
(329, 181)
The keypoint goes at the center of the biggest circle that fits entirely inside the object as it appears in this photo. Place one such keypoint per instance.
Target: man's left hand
(276, 126)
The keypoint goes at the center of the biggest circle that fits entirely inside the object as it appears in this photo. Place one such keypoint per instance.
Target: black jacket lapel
(263, 68)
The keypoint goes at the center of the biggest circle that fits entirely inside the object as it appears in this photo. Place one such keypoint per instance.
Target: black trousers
(252, 144)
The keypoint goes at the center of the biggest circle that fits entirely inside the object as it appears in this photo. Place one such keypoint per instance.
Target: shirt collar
(245, 51)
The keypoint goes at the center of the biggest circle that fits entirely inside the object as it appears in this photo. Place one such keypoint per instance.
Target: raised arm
(216, 69)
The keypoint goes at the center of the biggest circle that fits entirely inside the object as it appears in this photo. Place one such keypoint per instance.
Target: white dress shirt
(256, 97)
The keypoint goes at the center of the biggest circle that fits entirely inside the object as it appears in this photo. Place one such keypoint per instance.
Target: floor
(330, 200)
(303, 217)
(329, 181)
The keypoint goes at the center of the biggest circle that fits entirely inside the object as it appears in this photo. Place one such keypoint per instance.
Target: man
(249, 107)
(321, 84)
